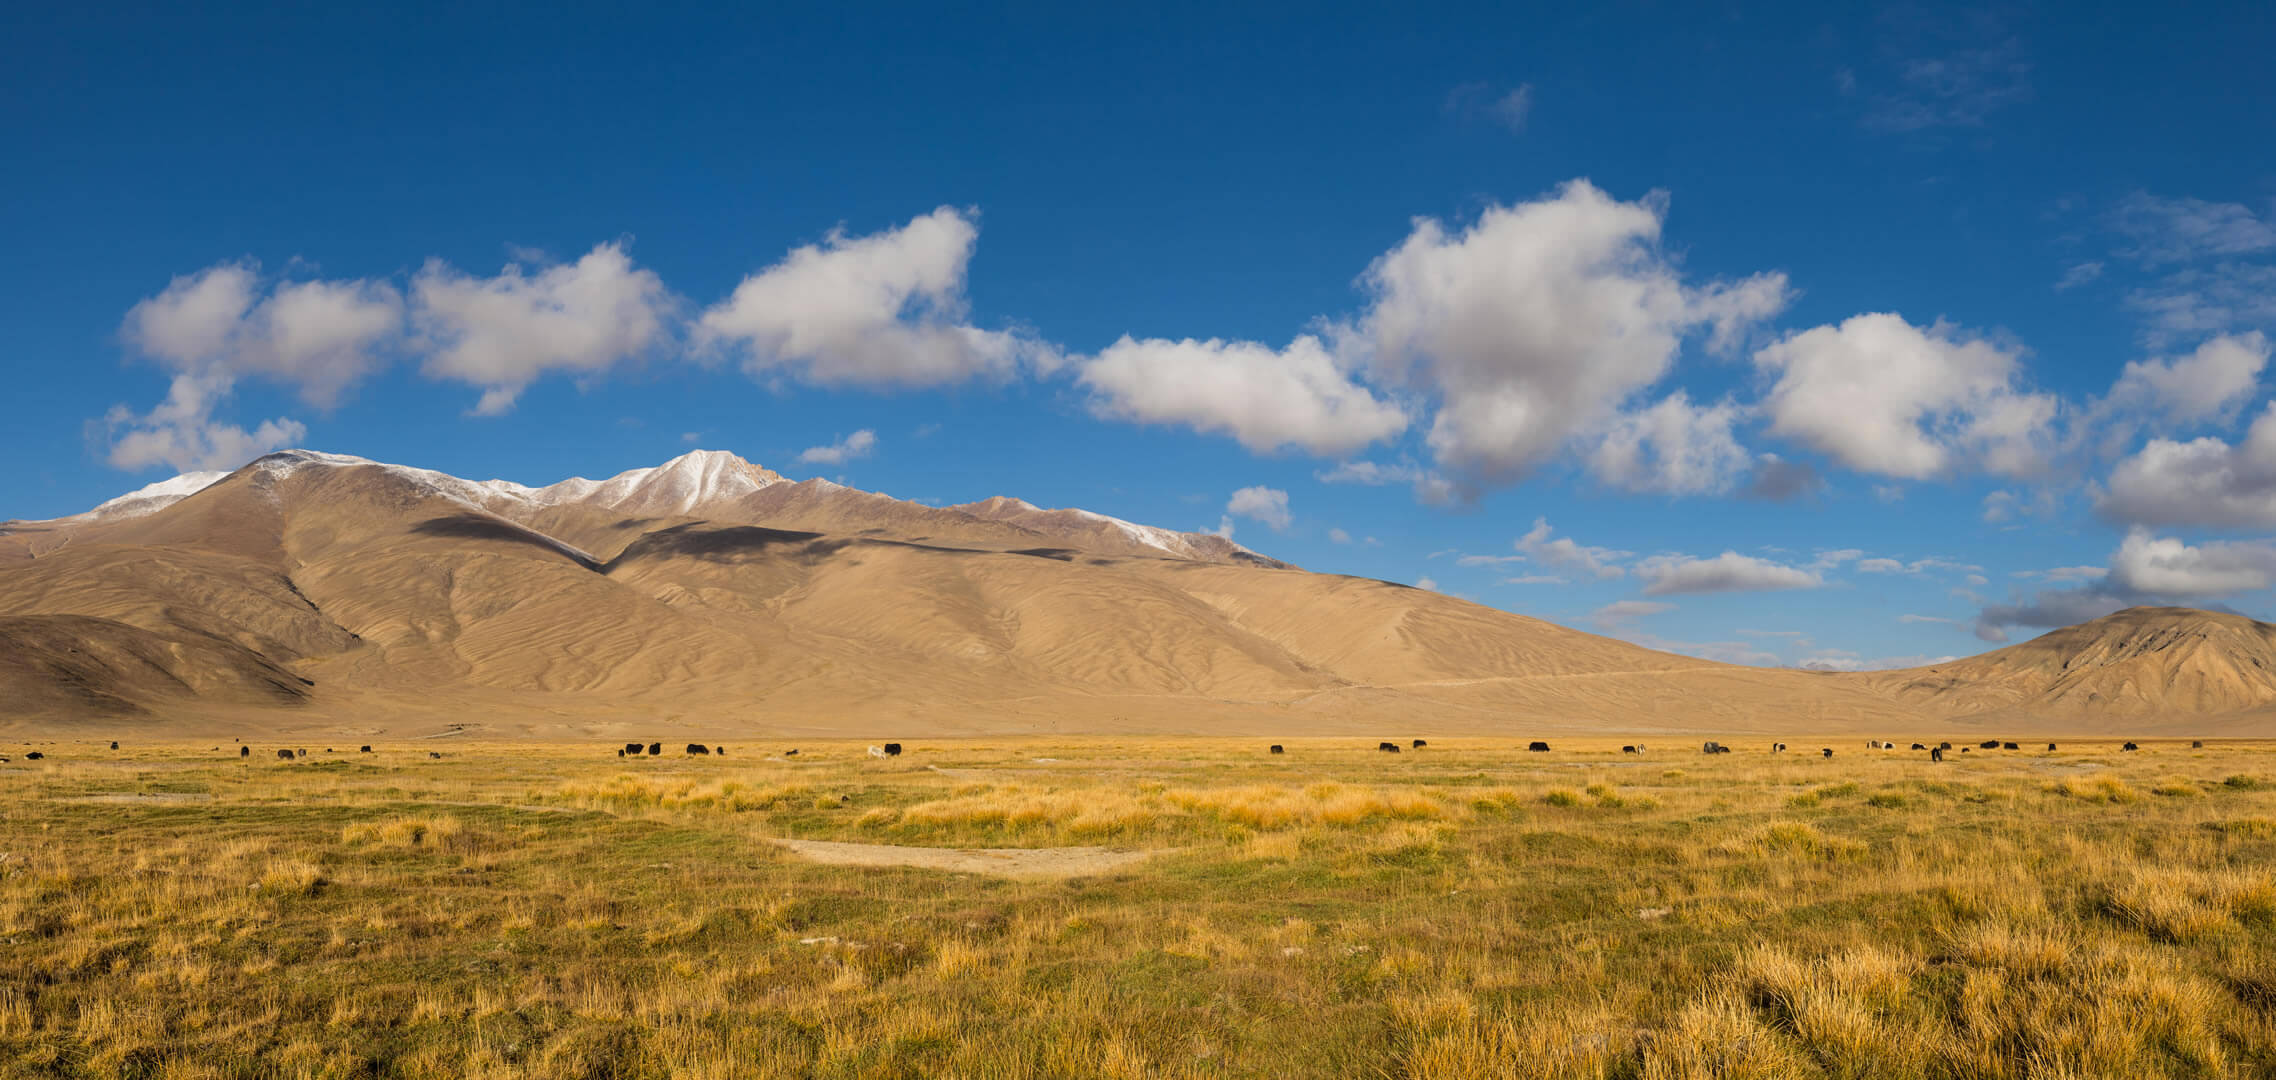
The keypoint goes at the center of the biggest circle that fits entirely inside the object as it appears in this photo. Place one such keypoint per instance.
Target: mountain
(2162, 665)
(322, 592)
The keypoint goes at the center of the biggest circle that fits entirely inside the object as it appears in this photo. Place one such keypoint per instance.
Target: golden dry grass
(1466, 911)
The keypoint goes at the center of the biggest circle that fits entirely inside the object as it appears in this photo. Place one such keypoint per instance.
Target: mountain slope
(2156, 663)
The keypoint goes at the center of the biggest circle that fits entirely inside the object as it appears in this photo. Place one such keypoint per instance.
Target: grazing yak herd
(893, 749)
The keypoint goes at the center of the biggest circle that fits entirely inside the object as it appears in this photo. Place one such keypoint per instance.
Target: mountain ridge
(711, 593)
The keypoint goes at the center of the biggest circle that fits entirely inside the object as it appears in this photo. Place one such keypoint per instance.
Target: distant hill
(2155, 665)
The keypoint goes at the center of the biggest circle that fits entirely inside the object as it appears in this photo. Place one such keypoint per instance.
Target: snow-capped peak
(170, 490)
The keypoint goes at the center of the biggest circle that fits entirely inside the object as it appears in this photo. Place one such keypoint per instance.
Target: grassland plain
(1465, 910)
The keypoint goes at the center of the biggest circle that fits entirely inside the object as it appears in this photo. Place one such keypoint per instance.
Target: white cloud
(1488, 560)
(182, 433)
(319, 336)
(1339, 536)
(1268, 505)
(1534, 579)
(1672, 447)
(2077, 573)
(881, 310)
(1667, 575)
(1883, 396)
(1930, 619)
(1563, 553)
(223, 324)
(857, 445)
(1880, 566)
(1426, 583)
(1827, 560)
(502, 333)
(1535, 324)
(2207, 384)
(2203, 481)
(1263, 397)
(2164, 566)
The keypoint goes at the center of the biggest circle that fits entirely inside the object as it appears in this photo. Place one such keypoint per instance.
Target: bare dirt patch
(1060, 862)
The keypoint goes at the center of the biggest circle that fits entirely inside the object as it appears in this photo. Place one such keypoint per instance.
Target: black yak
(1828, 751)
(244, 751)
(634, 748)
(892, 749)
(1387, 747)
(1537, 747)
(656, 749)
(1936, 754)
(2129, 746)
(284, 755)
(1419, 744)
(698, 748)
(1276, 749)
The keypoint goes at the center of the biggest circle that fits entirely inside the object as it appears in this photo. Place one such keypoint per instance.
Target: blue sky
(1757, 332)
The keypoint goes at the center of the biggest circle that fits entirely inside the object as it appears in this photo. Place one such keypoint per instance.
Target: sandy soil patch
(1003, 862)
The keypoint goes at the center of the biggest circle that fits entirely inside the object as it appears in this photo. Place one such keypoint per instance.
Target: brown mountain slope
(2158, 664)
(711, 594)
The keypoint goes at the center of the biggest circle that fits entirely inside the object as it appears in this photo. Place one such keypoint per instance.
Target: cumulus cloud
(319, 336)
(181, 431)
(2164, 566)
(1536, 323)
(2204, 385)
(883, 310)
(226, 323)
(857, 445)
(1884, 396)
(1260, 503)
(1337, 535)
(2146, 569)
(1668, 575)
(1672, 447)
(1263, 397)
(1563, 553)
(504, 332)
(2204, 481)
